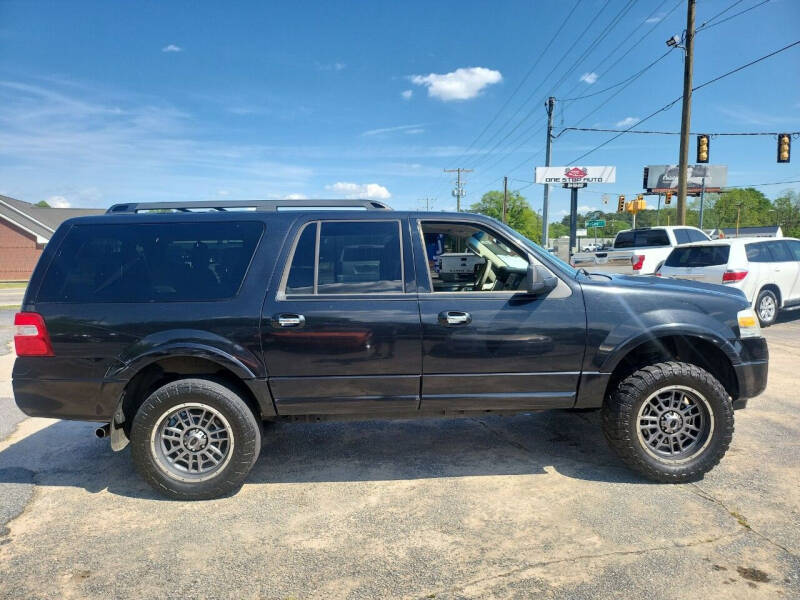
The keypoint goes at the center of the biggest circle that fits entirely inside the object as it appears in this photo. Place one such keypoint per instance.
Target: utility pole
(686, 116)
(505, 198)
(459, 191)
(551, 102)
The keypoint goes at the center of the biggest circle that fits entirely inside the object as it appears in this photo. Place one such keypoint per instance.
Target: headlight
(748, 323)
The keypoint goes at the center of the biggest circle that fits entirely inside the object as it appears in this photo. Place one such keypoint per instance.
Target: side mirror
(540, 280)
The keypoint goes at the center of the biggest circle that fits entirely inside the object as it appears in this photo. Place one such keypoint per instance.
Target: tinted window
(698, 256)
(794, 248)
(167, 262)
(757, 252)
(779, 251)
(681, 236)
(301, 273)
(355, 257)
(639, 238)
(697, 236)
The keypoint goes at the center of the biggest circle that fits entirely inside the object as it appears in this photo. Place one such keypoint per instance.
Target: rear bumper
(79, 400)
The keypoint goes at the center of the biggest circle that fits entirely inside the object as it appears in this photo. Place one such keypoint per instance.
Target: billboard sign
(660, 179)
(575, 175)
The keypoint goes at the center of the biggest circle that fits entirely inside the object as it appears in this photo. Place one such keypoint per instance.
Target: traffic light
(702, 148)
(668, 198)
(621, 205)
(784, 147)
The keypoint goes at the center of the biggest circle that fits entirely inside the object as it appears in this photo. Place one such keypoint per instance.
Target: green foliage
(42, 204)
(519, 215)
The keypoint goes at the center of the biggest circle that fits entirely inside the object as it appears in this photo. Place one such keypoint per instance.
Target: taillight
(30, 337)
(637, 261)
(733, 276)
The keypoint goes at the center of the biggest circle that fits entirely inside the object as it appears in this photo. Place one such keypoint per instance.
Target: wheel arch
(772, 287)
(705, 351)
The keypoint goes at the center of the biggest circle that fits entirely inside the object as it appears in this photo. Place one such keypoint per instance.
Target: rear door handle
(450, 318)
(288, 320)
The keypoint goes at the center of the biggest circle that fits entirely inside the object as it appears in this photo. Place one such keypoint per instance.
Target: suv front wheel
(195, 439)
(672, 422)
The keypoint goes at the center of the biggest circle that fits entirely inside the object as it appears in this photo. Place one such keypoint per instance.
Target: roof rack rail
(258, 205)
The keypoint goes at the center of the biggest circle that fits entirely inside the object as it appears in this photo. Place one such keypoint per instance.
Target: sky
(104, 102)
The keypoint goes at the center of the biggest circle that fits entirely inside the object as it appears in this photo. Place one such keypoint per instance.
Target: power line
(706, 25)
(565, 129)
(626, 82)
(524, 79)
(672, 103)
(533, 93)
(720, 13)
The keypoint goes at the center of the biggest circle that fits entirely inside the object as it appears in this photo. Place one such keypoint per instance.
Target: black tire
(769, 316)
(232, 429)
(621, 421)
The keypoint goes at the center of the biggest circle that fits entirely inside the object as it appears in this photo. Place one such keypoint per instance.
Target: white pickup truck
(638, 251)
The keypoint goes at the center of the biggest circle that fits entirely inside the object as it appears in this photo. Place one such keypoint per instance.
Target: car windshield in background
(641, 238)
(698, 256)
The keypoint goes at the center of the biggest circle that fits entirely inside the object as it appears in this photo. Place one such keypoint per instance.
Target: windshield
(540, 252)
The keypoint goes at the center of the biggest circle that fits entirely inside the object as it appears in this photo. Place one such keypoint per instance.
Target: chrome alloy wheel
(766, 308)
(675, 424)
(192, 442)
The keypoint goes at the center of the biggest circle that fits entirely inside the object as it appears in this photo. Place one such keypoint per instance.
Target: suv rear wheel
(672, 422)
(767, 307)
(195, 439)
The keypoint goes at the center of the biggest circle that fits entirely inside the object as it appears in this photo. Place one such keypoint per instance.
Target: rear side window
(641, 237)
(698, 256)
(166, 262)
(351, 257)
(779, 251)
(757, 252)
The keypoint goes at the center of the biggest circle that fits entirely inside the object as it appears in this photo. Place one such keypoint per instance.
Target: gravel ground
(528, 506)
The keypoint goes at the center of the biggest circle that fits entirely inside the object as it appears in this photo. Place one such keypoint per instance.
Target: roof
(744, 231)
(40, 221)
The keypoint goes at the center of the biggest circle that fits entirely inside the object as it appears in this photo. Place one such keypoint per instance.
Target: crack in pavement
(545, 563)
(740, 519)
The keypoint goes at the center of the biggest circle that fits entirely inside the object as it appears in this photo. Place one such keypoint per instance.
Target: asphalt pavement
(528, 506)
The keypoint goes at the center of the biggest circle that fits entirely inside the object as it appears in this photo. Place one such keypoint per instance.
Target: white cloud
(337, 66)
(223, 193)
(373, 191)
(461, 84)
(414, 131)
(58, 202)
(295, 197)
(400, 128)
(656, 18)
(628, 122)
(589, 78)
(586, 208)
(172, 48)
(406, 94)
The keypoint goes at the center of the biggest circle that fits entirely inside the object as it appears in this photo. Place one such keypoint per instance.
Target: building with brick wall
(25, 229)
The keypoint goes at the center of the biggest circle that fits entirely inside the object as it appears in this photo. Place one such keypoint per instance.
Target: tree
(519, 214)
(748, 206)
(787, 213)
(42, 204)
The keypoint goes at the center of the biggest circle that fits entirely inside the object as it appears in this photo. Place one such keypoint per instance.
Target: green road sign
(596, 223)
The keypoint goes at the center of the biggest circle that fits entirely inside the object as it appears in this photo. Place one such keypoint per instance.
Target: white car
(766, 270)
(638, 251)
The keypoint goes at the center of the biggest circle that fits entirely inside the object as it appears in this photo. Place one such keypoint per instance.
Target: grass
(9, 306)
(13, 285)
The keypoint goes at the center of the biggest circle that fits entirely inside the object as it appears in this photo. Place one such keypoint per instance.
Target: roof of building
(771, 230)
(37, 220)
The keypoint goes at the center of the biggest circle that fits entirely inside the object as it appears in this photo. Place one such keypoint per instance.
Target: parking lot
(529, 506)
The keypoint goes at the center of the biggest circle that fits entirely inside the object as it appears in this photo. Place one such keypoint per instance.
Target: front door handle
(450, 318)
(288, 320)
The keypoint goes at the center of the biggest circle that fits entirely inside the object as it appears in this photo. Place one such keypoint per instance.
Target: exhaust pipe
(103, 431)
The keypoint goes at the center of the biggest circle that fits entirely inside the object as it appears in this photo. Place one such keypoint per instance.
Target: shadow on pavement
(571, 444)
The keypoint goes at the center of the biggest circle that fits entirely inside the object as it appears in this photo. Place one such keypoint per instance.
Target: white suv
(766, 270)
